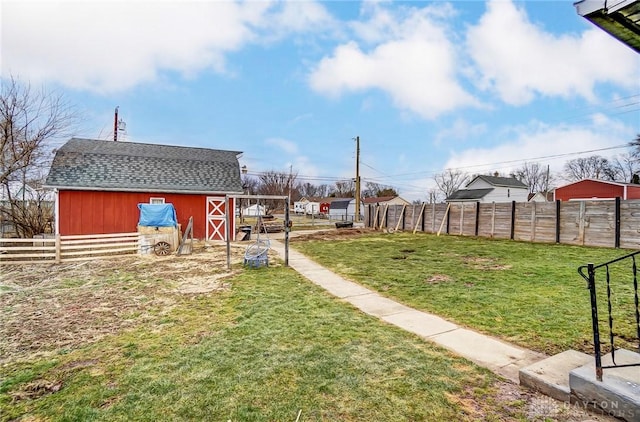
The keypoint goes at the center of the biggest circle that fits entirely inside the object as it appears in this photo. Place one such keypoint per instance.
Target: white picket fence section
(60, 249)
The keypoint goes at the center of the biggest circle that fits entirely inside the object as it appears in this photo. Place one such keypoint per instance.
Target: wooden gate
(216, 218)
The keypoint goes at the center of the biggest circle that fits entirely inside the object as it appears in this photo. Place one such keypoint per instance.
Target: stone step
(619, 391)
(550, 376)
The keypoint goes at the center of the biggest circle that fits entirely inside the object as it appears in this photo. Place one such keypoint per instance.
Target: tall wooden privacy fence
(613, 223)
(59, 249)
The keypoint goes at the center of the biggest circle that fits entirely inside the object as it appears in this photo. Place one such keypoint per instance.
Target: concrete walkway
(502, 358)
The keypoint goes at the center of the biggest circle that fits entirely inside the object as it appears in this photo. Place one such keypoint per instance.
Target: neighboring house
(99, 184)
(385, 200)
(487, 189)
(541, 197)
(300, 206)
(344, 209)
(254, 210)
(590, 189)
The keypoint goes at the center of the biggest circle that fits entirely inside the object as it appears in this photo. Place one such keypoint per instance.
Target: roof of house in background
(468, 194)
(377, 199)
(340, 203)
(547, 196)
(327, 200)
(130, 166)
(510, 182)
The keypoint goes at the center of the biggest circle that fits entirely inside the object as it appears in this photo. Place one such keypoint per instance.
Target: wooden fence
(613, 223)
(59, 249)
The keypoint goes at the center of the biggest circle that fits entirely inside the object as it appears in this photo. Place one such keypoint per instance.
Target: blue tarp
(157, 215)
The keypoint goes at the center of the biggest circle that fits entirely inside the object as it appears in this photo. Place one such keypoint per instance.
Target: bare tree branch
(450, 181)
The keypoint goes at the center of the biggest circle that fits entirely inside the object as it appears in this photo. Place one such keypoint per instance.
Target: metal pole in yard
(357, 213)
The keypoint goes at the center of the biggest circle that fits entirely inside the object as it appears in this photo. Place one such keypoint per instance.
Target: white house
(254, 210)
(300, 207)
(487, 189)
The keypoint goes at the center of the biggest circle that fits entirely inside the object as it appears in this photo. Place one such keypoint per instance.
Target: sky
(476, 86)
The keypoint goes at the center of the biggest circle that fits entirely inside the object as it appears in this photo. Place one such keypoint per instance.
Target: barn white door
(216, 218)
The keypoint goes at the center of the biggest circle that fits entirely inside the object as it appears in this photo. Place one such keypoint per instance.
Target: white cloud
(460, 130)
(107, 46)
(413, 62)
(548, 145)
(519, 60)
(287, 146)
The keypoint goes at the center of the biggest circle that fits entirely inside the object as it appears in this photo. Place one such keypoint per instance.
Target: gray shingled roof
(340, 204)
(129, 166)
(500, 181)
(468, 194)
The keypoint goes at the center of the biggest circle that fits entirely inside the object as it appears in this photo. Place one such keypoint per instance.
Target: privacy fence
(57, 249)
(612, 223)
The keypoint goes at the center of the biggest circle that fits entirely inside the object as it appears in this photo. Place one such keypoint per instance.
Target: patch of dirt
(36, 389)
(438, 278)
(541, 408)
(50, 308)
(334, 234)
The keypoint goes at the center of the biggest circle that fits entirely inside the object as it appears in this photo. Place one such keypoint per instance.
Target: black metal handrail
(590, 277)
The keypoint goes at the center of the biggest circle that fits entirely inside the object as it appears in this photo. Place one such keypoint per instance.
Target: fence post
(557, 221)
(58, 249)
(617, 235)
(513, 219)
(477, 218)
(448, 218)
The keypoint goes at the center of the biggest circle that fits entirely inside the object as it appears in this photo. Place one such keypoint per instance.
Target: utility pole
(290, 179)
(115, 126)
(357, 216)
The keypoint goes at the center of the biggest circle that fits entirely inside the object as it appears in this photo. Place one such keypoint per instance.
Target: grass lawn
(265, 345)
(526, 293)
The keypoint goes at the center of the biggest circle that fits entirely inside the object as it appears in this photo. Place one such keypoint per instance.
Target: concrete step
(550, 376)
(619, 391)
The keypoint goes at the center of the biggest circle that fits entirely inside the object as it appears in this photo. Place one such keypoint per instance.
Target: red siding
(633, 192)
(588, 189)
(93, 212)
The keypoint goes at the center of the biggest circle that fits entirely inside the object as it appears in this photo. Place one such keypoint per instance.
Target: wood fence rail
(612, 223)
(59, 249)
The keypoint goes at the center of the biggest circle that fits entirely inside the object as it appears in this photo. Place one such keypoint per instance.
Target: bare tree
(277, 183)
(32, 122)
(26, 207)
(535, 176)
(434, 195)
(309, 190)
(593, 167)
(344, 189)
(624, 167)
(250, 185)
(450, 181)
(635, 145)
(373, 189)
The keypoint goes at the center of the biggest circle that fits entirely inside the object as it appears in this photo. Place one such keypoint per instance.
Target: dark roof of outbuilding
(468, 194)
(130, 166)
(500, 181)
(340, 203)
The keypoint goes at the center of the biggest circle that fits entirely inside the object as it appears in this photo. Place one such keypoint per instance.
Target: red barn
(99, 184)
(588, 189)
